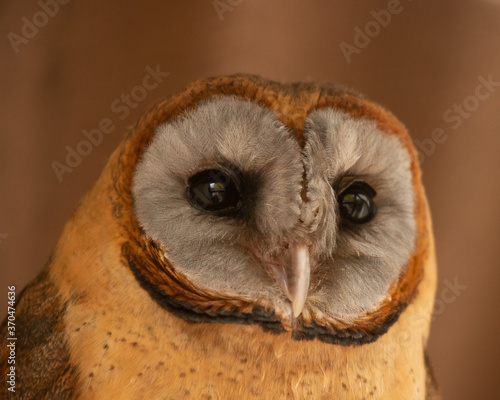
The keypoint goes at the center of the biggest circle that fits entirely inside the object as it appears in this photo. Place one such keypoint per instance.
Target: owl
(248, 239)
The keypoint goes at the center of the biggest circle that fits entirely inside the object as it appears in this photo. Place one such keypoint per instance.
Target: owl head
(297, 207)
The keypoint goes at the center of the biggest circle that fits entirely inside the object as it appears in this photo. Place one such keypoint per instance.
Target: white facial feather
(354, 267)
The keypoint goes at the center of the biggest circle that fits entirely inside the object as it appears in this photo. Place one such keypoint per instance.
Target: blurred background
(64, 68)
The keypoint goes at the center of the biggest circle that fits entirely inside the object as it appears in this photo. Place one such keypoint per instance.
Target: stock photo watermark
(31, 26)
(363, 36)
(121, 107)
(451, 291)
(447, 295)
(11, 338)
(456, 114)
(221, 7)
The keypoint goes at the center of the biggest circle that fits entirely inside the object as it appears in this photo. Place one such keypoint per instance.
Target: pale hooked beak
(293, 278)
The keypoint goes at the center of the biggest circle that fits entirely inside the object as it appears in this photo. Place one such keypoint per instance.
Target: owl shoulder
(42, 368)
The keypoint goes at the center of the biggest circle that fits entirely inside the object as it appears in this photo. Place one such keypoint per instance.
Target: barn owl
(247, 240)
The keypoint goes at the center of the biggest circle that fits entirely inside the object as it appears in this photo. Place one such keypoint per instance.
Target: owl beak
(293, 277)
(292, 274)
(297, 277)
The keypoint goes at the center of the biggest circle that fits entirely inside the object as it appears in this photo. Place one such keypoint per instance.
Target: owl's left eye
(213, 190)
(356, 203)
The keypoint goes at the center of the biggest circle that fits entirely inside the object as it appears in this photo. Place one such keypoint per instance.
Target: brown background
(427, 58)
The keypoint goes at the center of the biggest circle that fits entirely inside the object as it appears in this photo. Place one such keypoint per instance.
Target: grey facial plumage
(354, 265)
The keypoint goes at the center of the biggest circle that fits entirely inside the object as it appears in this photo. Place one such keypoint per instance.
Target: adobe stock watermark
(455, 116)
(447, 295)
(451, 291)
(363, 37)
(223, 6)
(121, 107)
(31, 26)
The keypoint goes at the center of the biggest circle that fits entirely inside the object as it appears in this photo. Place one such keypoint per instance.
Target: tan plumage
(112, 316)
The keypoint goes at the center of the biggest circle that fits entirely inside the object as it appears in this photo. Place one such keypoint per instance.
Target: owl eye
(213, 190)
(356, 203)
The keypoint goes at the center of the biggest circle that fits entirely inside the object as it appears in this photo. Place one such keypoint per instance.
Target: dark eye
(213, 190)
(356, 203)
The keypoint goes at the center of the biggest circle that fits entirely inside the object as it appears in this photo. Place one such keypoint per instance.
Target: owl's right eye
(213, 190)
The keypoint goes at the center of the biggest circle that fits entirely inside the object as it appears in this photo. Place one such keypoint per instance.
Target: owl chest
(217, 361)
